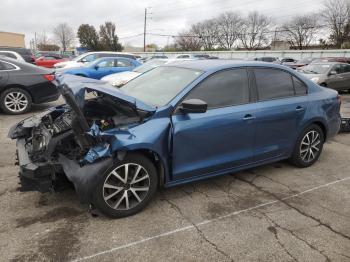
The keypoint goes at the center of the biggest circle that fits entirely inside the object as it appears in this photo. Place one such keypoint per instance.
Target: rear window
(273, 83)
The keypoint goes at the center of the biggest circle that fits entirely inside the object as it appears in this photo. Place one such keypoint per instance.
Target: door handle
(248, 117)
(299, 109)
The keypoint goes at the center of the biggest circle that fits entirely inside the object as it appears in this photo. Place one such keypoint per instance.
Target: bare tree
(255, 31)
(64, 35)
(207, 33)
(337, 14)
(300, 31)
(229, 27)
(188, 41)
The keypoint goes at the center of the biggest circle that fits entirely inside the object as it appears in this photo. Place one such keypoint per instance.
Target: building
(280, 45)
(11, 39)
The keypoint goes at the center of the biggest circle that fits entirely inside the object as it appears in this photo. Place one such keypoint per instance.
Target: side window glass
(223, 89)
(337, 69)
(299, 86)
(123, 63)
(106, 63)
(273, 83)
(6, 66)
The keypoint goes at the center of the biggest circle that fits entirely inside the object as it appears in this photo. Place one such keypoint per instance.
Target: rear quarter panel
(323, 108)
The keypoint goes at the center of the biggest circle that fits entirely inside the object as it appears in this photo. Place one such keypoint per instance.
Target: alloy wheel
(310, 146)
(16, 102)
(126, 186)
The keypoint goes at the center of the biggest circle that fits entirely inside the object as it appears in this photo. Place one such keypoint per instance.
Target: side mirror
(333, 72)
(193, 106)
(96, 67)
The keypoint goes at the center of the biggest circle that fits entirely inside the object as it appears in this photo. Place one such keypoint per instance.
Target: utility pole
(144, 31)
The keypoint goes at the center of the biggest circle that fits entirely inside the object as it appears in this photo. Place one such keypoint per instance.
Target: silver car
(331, 74)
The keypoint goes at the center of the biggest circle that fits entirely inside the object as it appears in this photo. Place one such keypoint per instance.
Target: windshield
(78, 57)
(316, 69)
(160, 85)
(149, 65)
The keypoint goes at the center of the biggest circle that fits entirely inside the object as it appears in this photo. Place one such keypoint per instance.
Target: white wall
(297, 54)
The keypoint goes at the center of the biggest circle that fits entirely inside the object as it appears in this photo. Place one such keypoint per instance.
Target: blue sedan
(104, 66)
(173, 125)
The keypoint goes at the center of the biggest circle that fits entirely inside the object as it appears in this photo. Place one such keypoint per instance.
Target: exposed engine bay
(74, 140)
(102, 111)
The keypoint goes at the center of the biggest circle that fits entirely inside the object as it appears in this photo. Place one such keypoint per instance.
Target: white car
(12, 54)
(80, 60)
(119, 79)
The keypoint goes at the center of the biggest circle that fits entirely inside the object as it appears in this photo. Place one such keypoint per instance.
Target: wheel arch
(17, 86)
(161, 167)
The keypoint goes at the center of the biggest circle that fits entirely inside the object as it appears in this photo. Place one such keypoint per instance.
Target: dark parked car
(288, 60)
(267, 59)
(299, 63)
(22, 84)
(330, 74)
(172, 125)
(24, 52)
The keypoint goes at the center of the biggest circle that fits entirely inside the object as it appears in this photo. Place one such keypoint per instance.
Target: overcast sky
(167, 17)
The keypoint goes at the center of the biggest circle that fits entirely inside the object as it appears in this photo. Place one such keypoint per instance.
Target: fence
(296, 54)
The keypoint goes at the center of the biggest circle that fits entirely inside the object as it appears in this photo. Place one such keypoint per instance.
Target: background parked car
(195, 56)
(330, 74)
(22, 84)
(332, 59)
(288, 60)
(79, 61)
(49, 60)
(299, 63)
(148, 58)
(24, 52)
(102, 67)
(12, 54)
(267, 59)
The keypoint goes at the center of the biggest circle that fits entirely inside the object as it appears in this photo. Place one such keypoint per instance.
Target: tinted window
(226, 88)
(183, 56)
(8, 54)
(345, 68)
(300, 87)
(6, 66)
(273, 83)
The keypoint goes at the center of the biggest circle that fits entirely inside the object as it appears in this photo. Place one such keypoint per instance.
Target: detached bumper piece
(33, 176)
(345, 124)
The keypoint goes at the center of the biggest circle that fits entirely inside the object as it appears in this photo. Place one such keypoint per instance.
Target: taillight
(49, 77)
(339, 99)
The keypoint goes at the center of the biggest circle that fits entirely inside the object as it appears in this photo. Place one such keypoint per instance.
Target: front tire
(15, 101)
(127, 187)
(308, 147)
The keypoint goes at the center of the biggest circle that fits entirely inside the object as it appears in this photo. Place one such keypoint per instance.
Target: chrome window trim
(9, 70)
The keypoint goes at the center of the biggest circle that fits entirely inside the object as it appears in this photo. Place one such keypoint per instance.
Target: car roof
(217, 64)
(108, 52)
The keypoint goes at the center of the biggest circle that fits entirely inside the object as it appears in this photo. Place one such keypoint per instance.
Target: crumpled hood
(79, 85)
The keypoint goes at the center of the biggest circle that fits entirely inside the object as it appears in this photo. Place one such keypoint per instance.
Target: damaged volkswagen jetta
(172, 125)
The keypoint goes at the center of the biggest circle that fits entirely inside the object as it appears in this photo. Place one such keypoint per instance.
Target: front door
(222, 137)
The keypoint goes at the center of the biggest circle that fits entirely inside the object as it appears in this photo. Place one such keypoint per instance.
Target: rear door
(282, 103)
(223, 136)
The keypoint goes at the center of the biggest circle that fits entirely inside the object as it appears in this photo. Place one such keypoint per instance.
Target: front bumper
(34, 176)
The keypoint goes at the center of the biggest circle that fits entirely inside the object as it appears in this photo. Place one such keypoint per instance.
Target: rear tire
(15, 101)
(308, 147)
(117, 195)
